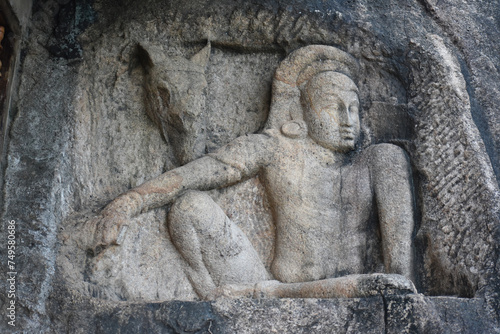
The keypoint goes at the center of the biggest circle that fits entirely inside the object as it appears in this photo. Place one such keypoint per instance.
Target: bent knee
(193, 208)
(193, 200)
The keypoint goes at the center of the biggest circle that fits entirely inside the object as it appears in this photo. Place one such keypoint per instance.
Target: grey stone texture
(81, 136)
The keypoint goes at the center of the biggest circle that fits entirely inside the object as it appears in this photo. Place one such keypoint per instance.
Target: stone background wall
(81, 136)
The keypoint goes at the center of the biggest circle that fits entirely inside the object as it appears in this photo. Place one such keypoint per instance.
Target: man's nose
(346, 117)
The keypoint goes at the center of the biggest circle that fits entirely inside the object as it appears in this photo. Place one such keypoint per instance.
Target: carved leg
(351, 286)
(216, 250)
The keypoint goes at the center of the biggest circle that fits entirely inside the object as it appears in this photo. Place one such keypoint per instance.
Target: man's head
(331, 110)
(305, 86)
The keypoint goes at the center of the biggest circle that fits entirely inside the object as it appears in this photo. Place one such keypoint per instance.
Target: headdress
(297, 68)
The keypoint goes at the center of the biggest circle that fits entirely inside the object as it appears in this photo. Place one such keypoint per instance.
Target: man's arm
(391, 181)
(202, 174)
(239, 159)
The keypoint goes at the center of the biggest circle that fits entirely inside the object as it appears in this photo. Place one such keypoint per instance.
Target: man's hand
(110, 226)
(109, 229)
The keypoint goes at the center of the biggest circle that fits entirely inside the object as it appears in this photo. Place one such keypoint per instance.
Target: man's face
(332, 115)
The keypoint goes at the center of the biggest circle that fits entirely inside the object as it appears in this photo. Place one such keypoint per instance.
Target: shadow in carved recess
(344, 217)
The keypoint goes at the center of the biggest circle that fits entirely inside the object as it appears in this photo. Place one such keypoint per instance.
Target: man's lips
(347, 134)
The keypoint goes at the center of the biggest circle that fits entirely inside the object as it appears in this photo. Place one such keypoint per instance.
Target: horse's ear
(201, 58)
(147, 55)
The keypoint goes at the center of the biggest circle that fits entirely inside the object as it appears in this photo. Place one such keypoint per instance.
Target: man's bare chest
(310, 187)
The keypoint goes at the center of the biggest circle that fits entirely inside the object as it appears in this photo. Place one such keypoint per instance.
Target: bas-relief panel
(145, 264)
(205, 97)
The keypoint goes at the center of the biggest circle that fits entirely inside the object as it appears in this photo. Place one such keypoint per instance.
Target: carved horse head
(175, 98)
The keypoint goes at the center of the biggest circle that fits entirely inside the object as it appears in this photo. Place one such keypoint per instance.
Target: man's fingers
(108, 230)
(121, 234)
(110, 234)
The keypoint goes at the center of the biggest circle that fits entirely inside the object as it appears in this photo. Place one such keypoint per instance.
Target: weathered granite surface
(385, 314)
(81, 136)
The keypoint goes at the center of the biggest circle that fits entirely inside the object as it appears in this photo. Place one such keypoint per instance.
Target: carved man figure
(337, 212)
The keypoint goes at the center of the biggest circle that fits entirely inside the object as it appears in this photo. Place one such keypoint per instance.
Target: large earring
(295, 129)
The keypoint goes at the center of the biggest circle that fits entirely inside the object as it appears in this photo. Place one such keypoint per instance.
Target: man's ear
(202, 57)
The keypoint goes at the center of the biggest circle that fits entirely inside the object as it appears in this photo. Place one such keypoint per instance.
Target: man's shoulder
(288, 135)
(248, 152)
(259, 141)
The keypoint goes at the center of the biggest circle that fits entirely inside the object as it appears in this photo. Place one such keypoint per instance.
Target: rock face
(428, 83)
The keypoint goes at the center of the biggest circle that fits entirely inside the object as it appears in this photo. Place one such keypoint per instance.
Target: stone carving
(339, 213)
(175, 99)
